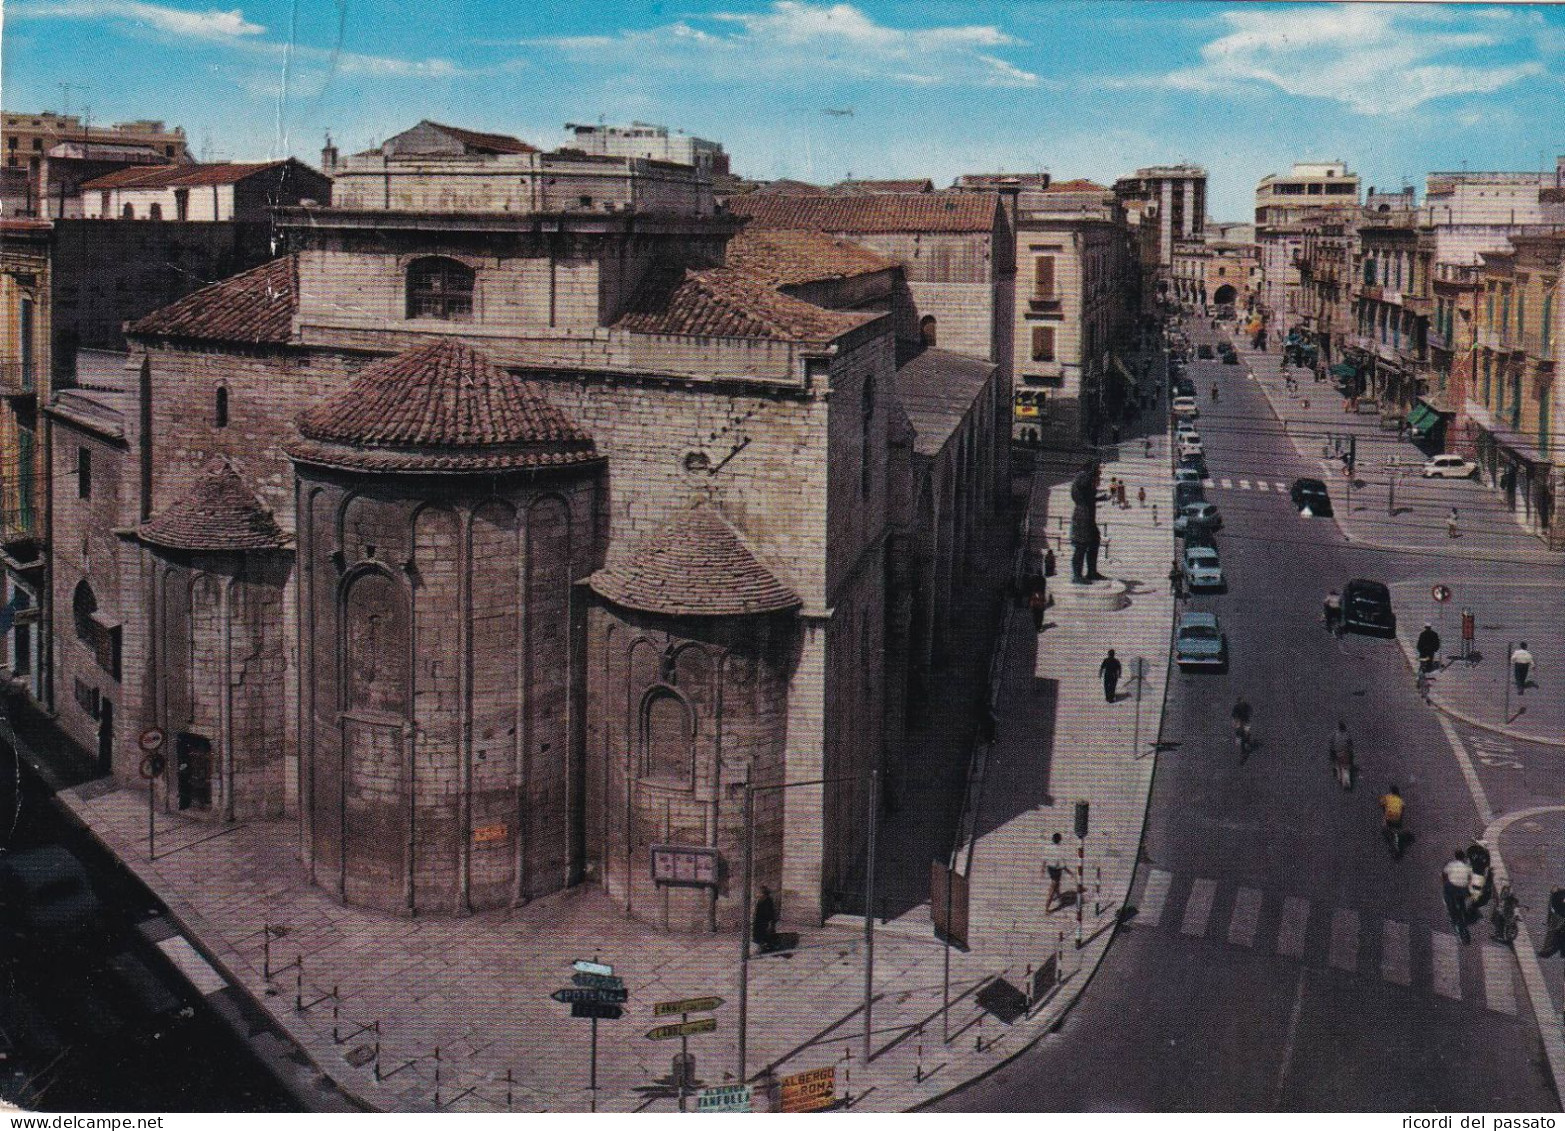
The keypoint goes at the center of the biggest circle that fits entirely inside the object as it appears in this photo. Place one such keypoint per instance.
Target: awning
(1344, 369)
(1422, 419)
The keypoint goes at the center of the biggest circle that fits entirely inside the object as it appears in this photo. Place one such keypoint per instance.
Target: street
(1280, 959)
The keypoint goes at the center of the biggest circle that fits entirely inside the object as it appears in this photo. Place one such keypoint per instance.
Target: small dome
(439, 407)
(695, 564)
(219, 514)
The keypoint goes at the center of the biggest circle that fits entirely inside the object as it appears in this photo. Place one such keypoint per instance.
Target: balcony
(17, 380)
(1050, 301)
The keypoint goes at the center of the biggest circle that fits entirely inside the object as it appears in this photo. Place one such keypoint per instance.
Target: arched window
(128, 212)
(440, 288)
(155, 212)
(220, 408)
(84, 603)
(667, 739)
(926, 330)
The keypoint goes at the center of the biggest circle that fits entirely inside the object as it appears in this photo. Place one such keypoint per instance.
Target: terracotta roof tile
(220, 513)
(254, 306)
(439, 407)
(182, 176)
(1076, 186)
(866, 188)
(783, 258)
(884, 212)
(725, 303)
(696, 564)
(497, 143)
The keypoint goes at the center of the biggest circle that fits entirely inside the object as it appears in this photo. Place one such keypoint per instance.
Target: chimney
(328, 156)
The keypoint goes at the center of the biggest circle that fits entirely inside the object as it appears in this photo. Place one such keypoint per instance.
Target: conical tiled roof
(220, 513)
(439, 407)
(696, 564)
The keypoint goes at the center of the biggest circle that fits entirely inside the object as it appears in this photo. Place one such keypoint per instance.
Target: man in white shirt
(1457, 878)
(1521, 667)
(1055, 867)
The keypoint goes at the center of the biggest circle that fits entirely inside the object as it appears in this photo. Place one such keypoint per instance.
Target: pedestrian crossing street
(1230, 484)
(1340, 937)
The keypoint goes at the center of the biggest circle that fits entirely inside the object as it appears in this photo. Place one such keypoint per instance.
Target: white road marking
(1290, 932)
(1282, 488)
(1244, 484)
(1207, 483)
(1499, 991)
(1198, 908)
(1396, 963)
(1293, 1032)
(1227, 483)
(196, 969)
(1445, 955)
(1474, 786)
(1344, 953)
(1247, 914)
(1150, 910)
(1262, 485)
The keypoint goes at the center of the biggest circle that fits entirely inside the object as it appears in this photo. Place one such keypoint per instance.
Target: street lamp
(749, 881)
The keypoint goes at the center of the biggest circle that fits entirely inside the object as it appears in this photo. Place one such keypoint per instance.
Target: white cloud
(1373, 59)
(208, 25)
(795, 40)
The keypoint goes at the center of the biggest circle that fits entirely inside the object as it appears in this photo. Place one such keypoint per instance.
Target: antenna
(65, 95)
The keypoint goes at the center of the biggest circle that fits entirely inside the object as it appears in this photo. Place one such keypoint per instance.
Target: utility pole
(869, 910)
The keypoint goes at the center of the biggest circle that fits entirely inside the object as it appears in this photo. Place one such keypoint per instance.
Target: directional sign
(599, 981)
(585, 967)
(724, 1097)
(571, 995)
(1441, 593)
(687, 1029)
(596, 1010)
(688, 1005)
(809, 1091)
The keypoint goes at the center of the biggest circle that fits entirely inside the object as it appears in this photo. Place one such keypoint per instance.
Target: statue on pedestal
(1085, 536)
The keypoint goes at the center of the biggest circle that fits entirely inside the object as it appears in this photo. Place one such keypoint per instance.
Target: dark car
(1311, 493)
(1366, 606)
(1188, 491)
(1230, 358)
(46, 900)
(1203, 352)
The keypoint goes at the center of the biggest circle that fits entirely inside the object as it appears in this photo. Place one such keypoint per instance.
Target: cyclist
(1393, 810)
(1241, 723)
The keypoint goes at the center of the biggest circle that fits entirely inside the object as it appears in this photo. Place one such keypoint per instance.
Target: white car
(1450, 467)
(1186, 407)
(1190, 446)
(1185, 429)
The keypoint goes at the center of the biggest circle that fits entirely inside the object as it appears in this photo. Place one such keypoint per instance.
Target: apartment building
(1284, 205)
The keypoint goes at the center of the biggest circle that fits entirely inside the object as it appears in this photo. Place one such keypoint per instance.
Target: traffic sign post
(684, 1030)
(598, 996)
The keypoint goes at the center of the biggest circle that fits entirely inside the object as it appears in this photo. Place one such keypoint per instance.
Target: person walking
(1521, 667)
(1428, 649)
(1554, 933)
(764, 922)
(1176, 581)
(1457, 877)
(1055, 867)
(1340, 750)
(1451, 524)
(1110, 670)
(1037, 602)
(1240, 716)
(1141, 497)
(1333, 611)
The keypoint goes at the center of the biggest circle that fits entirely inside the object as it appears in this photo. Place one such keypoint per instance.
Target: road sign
(1441, 593)
(597, 1010)
(685, 1029)
(688, 1005)
(585, 967)
(724, 1097)
(572, 994)
(809, 1091)
(151, 739)
(152, 766)
(598, 981)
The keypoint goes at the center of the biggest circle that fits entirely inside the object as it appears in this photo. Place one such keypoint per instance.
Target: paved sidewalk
(459, 1011)
(1480, 690)
(1412, 516)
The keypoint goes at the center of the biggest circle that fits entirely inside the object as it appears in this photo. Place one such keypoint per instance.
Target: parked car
(1186, 475)
(1230, 358)
(1200, 643)
(1450, 467)
(1184, 387)
(1366, 606)
(46, 900)
(1185, 406)
(1311, 493)
(1203, 352)
(1185, 428)
(1190, 446)
(1196, 461)
(1202, 568)
(1200, 536)
(1200, 514)
(1187, 491)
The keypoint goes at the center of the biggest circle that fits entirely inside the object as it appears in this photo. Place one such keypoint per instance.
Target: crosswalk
(1341, 938)
(1228, 484)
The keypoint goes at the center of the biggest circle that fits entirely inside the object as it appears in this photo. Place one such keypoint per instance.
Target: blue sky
(937, 87)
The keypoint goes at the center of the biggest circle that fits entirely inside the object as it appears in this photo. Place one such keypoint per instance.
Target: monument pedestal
(1096, 596)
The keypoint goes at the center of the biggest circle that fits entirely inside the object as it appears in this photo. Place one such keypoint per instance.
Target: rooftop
(696, 564)
(937, 389)
(440, 407)
(219, 513)
(183, 176)
(888, 212)
(728, 303)
(256, 306)
(781, 257)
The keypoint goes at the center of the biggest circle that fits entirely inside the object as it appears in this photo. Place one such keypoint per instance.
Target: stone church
(509, 533)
